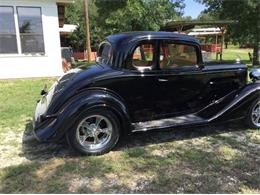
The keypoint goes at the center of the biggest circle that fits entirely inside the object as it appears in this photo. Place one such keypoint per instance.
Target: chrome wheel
(255, 115)
(94, 132)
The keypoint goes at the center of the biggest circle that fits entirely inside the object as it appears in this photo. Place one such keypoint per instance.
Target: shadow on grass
(34, 150)
(153, 137)
(137, 169)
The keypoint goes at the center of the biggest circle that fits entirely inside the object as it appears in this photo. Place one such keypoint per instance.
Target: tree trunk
(256, 55)
(226, 44)
(257, 42)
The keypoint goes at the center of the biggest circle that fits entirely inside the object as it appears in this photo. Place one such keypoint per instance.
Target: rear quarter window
(105, 53)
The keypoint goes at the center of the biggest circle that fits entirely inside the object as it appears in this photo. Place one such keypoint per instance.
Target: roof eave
(65, 1)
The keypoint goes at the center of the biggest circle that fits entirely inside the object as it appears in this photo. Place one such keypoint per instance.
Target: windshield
(104, 53)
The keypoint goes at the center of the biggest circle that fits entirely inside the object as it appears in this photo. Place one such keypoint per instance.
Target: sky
(193, 8)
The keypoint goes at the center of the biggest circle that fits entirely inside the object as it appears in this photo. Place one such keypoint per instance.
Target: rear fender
(90, 99)
(238, 107)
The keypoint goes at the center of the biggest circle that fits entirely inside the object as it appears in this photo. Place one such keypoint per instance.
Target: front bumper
(43, 124)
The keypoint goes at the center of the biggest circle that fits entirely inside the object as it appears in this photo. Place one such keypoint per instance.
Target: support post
(87, 30)
(216, 43)
(222, 29)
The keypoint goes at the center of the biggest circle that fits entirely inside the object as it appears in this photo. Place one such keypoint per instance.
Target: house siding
(23, 65)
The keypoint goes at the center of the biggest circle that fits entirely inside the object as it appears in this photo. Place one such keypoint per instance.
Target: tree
(137, 15)
(74, 14)
(115, 16)
(247, 13)
(203, 16)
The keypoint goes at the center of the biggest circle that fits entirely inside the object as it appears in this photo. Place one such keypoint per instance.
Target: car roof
(131, 36)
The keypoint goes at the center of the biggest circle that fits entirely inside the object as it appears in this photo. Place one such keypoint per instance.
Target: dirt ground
(212, 159)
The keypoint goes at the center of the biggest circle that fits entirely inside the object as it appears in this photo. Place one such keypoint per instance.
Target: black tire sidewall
(249, 113)
(71, 135)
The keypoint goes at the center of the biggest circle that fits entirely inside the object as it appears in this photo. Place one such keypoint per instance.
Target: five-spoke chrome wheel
(94, 132)
(255, 115)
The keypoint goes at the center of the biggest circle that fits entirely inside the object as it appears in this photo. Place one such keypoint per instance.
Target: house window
(8, 43)
(30, 29)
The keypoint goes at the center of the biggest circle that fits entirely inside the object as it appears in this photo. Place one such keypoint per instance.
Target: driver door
(179, 82)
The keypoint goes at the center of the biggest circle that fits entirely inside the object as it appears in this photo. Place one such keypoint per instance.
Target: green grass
(18, 99)
(234, 52)
(212, 159)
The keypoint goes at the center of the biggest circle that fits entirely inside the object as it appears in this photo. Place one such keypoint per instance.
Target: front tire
(253, 115)
(95, 132)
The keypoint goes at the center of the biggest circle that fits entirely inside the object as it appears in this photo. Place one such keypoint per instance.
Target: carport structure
(186, 27)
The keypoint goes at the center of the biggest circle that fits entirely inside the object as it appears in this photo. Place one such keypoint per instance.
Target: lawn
(234, 52)
(212, 159)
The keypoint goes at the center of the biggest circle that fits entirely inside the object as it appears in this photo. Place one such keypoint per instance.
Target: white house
(30, 39)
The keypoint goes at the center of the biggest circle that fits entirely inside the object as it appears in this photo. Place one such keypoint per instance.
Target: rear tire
(253, 115)
(95, 132)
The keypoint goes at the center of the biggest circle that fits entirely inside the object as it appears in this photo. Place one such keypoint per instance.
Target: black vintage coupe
(144, 81)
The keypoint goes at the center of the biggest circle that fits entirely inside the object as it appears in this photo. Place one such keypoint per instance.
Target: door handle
(162, 80)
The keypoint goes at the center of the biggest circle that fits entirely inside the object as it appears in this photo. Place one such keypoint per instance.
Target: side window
(105, 53)
(142, 57)
(176, 55)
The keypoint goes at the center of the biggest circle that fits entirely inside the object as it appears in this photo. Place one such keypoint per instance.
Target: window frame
(15, 29)
(196, 66)
(19, 33)
(129, 60)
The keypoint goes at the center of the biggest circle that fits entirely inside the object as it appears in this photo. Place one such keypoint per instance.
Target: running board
(190, 119)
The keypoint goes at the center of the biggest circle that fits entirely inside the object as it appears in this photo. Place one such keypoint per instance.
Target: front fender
(88, 99)
(239, 105)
